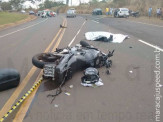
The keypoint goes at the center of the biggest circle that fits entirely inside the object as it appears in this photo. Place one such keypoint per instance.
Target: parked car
(31, 13)
(97, 11)
(121, 12)
(63, 63)
(23, 11)
(44, 14)
(71, 13)
(39, 13)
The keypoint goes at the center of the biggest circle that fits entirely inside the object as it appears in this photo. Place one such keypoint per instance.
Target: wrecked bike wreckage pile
(63, 63)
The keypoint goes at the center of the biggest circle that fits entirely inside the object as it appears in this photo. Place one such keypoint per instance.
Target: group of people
(158, 12)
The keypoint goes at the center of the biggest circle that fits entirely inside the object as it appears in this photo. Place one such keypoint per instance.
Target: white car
(71, 13)
(121, 12)
(44, 14)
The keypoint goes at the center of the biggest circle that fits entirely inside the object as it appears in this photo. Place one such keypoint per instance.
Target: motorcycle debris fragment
(67, 93)
(71, 86)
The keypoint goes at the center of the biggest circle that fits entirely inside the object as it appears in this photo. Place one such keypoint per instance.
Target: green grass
(6, 17)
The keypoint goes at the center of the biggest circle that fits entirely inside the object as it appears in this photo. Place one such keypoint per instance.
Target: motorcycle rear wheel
(42, 59)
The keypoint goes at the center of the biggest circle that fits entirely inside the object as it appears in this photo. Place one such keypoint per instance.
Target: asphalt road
(128, 92)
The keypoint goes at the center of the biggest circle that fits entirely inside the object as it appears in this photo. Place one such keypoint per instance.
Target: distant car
(44, 14)
(97, 11)
(121, 12)
(55, 14)
(31, 13)
(71, 13)
(23, 11)
(39, 13)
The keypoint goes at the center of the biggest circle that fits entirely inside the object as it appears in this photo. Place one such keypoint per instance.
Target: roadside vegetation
(136, 5)
(7, 17)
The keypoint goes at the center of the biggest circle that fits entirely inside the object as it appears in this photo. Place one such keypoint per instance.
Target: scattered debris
(91, 78)
(105, 36)
(136, 67)
(67, 93)
(108, 72)
(131, 71)
(56, 106)
(71, 86)
(61, 26)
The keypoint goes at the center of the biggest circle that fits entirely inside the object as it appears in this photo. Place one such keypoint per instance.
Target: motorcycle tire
(49, 57)
(39, 61)
(84, 44)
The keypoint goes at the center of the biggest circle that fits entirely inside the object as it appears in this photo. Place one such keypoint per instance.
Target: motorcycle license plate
(49, 70)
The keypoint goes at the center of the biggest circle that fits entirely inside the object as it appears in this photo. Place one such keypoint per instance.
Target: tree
(6, 6)
(48, 4)
(41, 6)
(94, 1)
(17, 4)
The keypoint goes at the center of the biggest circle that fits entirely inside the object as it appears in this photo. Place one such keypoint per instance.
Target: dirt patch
(29, 18)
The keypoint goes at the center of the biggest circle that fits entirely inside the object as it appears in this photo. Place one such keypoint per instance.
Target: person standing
(150, 12)
(158, 12)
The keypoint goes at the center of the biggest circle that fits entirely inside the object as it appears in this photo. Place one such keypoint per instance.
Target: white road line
(22, 29)
(144, 23)
(76, 34)
(156, 47)
(95, 21)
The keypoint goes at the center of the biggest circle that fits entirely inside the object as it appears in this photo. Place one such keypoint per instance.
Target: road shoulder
(29, 18)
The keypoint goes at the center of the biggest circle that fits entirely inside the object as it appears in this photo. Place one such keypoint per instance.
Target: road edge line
(146, 43)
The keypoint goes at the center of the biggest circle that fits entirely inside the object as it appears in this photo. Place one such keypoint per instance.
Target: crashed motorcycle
(63, 63)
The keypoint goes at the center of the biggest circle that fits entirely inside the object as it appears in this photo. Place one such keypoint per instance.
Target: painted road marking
(76, 34)
(25, 105)
(144, 23)
(95, 21)
(23, 29)
(156, 47)
(19, 89)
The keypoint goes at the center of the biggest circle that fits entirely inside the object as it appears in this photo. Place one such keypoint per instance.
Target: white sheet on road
(117, 38)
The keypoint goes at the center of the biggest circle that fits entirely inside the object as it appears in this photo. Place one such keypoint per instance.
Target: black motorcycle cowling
(62, 63)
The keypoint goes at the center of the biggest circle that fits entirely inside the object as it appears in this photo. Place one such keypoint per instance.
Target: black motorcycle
(63, 63)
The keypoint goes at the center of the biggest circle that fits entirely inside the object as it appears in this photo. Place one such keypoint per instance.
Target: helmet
(91, 76)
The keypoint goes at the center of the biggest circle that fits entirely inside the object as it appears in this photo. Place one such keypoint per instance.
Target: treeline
(11, 5)
(18, 4)
(50, 4)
